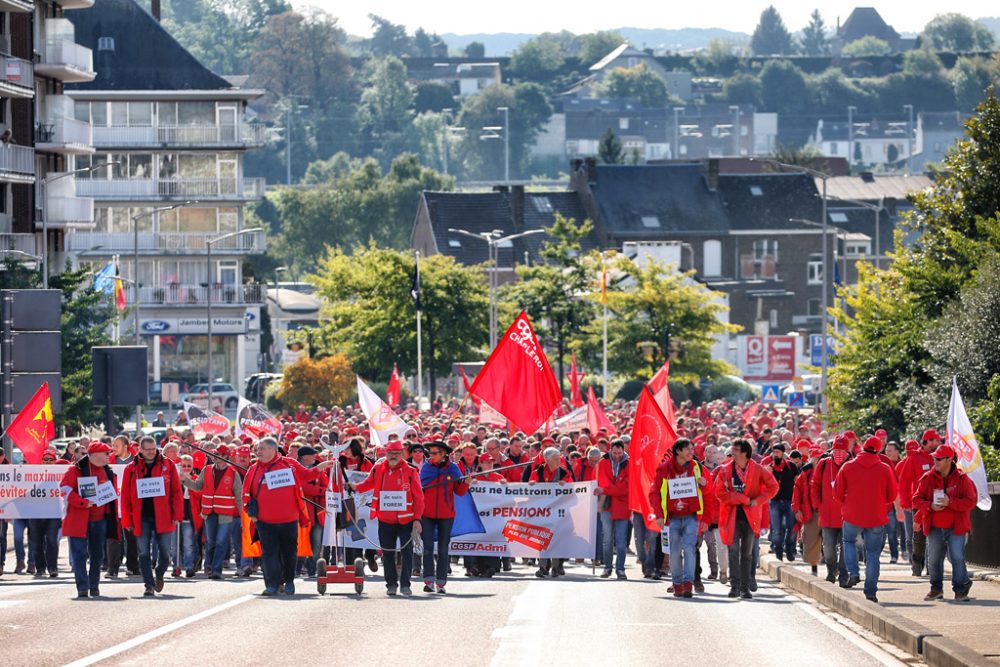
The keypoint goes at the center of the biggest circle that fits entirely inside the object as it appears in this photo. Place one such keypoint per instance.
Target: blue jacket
(440, 484)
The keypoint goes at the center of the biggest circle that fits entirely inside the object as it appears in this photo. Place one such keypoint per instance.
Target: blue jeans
(783, 528)
(279, 546)
(683, 541)
(216, 542)
(939, 540)
(599, 545)
(436, 532)
(645, 542)
(614, 533)
(20, 525)
(185, 535)
(92, 547)
(145, 543)
(908, 530)
(873, 548)
(43, 544)
(892, 533)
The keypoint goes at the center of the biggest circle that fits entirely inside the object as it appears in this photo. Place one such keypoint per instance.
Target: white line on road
(159, 632)
(7, 604)
(522, 638)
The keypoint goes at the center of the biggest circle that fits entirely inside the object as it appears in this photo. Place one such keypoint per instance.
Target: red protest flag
(652, 438)
(574, 384)
(659, 385)
(465, 383)
(517, 379)
(34, 426)
(596, 419)
(392, 393)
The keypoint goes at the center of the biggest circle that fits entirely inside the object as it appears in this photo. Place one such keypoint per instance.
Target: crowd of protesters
(737, 473)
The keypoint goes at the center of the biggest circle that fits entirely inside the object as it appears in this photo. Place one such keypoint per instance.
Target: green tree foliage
(388, 38)
(866, 46)
(475, 50)
(718, 58)
(742, 88)
(539, 58)
(596, 45)
(922, 63)
(814, 39)
(370, 315)
(639, 82)
(386, 111)
(771, 37)
(551, 291)
(433, 96)
(352, 209)
(610, 149)
(956, 33)
(970, 78)
(783, 87)
(831, 92)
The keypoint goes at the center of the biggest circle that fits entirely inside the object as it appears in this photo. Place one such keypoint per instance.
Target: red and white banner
(962, 438)
(381, 418)
(766, 358)
(488, 415)
(204, 421)
(255, 421)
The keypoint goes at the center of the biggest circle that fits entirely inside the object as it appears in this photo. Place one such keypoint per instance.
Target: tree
(475, 50)
(831, 91)
(866, 46)
(771, 37)
(370, 315)
(639, 82)
(538, 59)
(814, 40)
(922, 63)
(718, 58)
(742, 88)
(596, 45)
(388, 38)
(955, 33)
(313, 382)
(551, 291)
(783, 87)
(610, 149)
(970, 78)
(386, 110)
(433, 96)
(655, 307)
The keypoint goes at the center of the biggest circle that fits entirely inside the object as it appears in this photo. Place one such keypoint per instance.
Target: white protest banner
(574, 421)
(106, 493)
(489, 415)
(528, 521)
(32, 491)
(363, 525)
(682, 487)
(150, 487)
(278, 479)
(392, 501)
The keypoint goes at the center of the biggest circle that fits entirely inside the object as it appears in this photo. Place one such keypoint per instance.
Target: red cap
(912, 446)
(803, 444)
(98, 448)
(223, 450)
(246, 439)
(454, 437)
(394, 446)
(816, 450)
(944, 452)
(840, 443)
(548, 439)
(930, 434)
(243, 450)
(881, 433)
(850, 435)
(873, 445)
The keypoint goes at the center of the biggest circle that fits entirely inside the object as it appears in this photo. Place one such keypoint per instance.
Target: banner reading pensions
(32, 492)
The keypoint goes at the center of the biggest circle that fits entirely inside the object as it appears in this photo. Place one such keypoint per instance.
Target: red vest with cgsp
(218, 500)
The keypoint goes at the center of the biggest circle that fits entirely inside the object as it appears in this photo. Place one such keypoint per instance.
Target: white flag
(382, 420)
(963, 440)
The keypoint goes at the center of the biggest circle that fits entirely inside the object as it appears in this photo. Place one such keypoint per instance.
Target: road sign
(770, 393)
(796, 399)
(766, 358)
(816, 349)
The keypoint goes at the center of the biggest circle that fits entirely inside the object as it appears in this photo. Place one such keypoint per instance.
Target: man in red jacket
(86, 523)
(865, 487)
(945, 496)
(398, 503)
(614, 515)
(917, 463)
(805, 513)
(831, 517)
(152, 508)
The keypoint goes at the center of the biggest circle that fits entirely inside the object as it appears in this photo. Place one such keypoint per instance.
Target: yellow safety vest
(665, 492)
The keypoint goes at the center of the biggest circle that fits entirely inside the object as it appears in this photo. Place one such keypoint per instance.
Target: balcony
(25, 243)
(153, 189)
(176, 294)
(16, 6)
(183, 243)
(17, 79)
(244, 135)
(67, 136)
(58, 206)
(17, 163)
(63, 58)
(75, 4)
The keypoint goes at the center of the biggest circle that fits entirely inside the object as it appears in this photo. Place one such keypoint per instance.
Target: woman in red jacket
(85, 523)
(743, 489)
(831, 513)
(804, 512)
(612, 493)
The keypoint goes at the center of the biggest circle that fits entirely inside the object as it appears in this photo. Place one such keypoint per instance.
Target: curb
(908, 635)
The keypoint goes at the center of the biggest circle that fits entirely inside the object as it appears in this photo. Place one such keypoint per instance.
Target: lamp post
(735, 110)
(850, 136)
(276, 320)
(677, 133)
(908, 108)
(506, 143)
(45, 212)
(493, 241)
(208, 246)
(877, 209)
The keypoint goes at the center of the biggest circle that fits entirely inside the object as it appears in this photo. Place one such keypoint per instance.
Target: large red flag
(596, 417)
(34, 426)
(392, 393)
(661, 392)
(652, 438)
(517, 379)
(574, 385)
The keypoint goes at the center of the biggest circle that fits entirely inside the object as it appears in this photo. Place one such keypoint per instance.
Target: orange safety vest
(219, 500)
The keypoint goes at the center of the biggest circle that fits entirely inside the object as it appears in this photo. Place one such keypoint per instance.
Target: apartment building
(166, 177)
(38, 135)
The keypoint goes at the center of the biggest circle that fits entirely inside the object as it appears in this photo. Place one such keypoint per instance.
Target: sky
(533, 16)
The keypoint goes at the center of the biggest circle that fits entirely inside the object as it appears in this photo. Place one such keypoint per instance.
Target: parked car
(257, 384)
(223, 395)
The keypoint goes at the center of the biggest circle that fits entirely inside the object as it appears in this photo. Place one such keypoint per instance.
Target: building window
(833, 148)
(623, 123)
(838, 216)
(683, 150)
(773, 318)
(711, 259)
(650, 222)
(857, 249)
(765, 257)
(105, 43)
(542, 204)
(756, 191)
(815, 307)
(632, 62)
(454, 243)
(814, 270)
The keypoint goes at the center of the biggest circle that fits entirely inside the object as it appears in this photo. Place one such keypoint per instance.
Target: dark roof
(867, 127)
(478, 212)
(944, 121)
(675, 195)
(145, 55)
(769, 201)
(865, 21)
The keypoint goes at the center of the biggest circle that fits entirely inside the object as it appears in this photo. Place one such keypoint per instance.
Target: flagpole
(604, 301)
(420, 356)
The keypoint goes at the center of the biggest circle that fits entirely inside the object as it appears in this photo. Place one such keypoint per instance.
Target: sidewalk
(945, 633)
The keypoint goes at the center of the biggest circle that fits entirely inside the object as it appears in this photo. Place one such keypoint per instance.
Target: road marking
(644, 625)
(159, 632)
(522, 638)
(7, 604)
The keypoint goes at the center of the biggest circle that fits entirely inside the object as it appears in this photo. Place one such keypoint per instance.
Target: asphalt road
(513, 619)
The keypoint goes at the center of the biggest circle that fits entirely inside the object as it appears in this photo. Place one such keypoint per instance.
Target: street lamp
(493, 241)
(908, 108)
(735, 110)
(276, 320)
(676, 153)
(877, 209)
(45, 211)
(506, 143)
(208, 245)
(851, 110)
